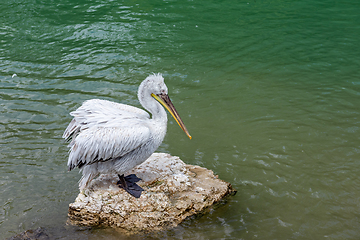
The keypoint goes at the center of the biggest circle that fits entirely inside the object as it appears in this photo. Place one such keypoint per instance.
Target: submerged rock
(172, 192)
(37, 234)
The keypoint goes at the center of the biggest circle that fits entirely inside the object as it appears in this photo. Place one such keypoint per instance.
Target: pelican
(109, 137)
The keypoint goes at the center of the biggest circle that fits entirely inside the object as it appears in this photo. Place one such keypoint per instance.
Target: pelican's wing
(96, 112)
(103, 130)
(105, 143)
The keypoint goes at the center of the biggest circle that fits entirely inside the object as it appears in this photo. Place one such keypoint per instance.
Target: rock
(37, 234)
(173, 192)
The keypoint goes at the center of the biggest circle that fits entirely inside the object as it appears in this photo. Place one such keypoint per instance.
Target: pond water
(269, 91)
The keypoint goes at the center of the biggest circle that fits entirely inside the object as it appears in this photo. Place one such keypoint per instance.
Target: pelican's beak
(166, 102)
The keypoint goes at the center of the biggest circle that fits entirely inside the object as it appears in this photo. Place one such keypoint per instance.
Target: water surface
(269, 90)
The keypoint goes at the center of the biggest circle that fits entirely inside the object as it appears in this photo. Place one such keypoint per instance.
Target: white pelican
(109, 137)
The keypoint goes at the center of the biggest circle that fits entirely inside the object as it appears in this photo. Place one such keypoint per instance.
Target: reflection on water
(268, 91)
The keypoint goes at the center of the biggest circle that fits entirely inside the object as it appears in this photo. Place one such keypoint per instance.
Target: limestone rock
(173, 192)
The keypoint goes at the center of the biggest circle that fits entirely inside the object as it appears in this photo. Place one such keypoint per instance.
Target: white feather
(113, 137)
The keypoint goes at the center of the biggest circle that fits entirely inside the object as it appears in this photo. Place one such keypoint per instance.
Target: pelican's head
(154, 85)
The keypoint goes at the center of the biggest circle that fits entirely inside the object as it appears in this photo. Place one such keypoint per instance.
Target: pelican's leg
(128, 183)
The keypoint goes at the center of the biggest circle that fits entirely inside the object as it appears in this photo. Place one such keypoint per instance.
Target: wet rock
(37, 234)
(173, 192)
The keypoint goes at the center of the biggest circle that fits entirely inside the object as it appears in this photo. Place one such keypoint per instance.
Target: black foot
(128, 183)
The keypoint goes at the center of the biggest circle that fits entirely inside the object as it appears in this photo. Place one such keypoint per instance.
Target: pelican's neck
(157, 111)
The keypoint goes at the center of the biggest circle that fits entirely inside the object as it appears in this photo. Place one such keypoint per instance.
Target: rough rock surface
(173, 192)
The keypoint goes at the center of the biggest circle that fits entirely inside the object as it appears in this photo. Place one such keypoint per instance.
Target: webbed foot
(128, 183)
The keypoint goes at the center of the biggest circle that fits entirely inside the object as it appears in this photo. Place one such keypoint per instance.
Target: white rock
(173, 192)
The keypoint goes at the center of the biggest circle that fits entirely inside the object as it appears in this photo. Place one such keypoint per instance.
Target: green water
(269, 90)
